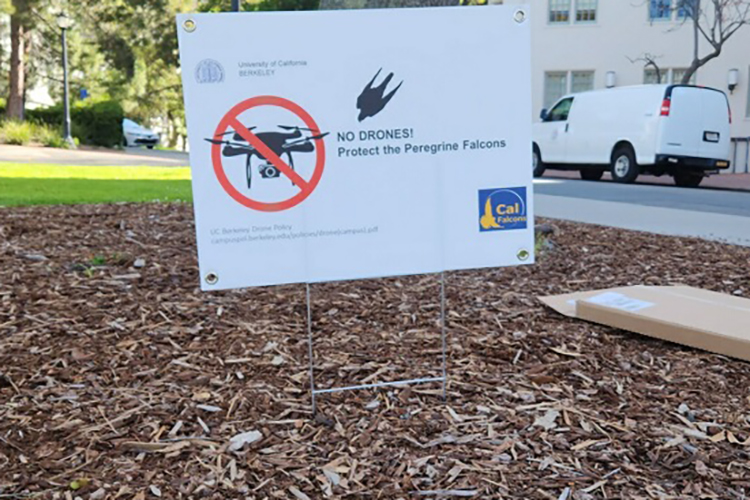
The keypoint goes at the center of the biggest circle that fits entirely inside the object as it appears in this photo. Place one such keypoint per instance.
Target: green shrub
(47, 136)
(95, 123)
(52, 115)
(28, 132)
(102, 122)
(15, 132)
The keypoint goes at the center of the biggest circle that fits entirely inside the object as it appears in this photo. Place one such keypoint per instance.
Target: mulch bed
(120, 379)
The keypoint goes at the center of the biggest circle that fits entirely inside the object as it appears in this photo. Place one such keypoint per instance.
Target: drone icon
(297, 140)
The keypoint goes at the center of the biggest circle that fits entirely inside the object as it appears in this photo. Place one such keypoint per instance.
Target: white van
(678, 130)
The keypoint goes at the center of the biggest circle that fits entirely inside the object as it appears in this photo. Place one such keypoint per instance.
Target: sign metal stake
(310, 348)
(443, 334)
(443, 328)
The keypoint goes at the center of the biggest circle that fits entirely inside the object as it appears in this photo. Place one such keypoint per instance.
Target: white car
(137, 135)
(677, 130)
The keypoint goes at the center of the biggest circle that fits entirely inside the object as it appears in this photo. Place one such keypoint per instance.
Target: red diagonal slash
(230, 120)
(268, 153)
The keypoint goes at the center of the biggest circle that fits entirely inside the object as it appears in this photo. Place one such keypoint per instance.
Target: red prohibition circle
(231, 120)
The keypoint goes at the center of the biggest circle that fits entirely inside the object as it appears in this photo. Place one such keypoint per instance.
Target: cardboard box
(689, 316)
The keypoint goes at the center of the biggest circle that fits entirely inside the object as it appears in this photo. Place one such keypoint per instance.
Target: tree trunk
(15, 107)
(690, 71)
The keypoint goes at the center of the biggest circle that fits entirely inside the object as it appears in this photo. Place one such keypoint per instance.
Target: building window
(581, 81)
(686, 8)
(586, 11)
(660, 10)
(670, 76)
(650, 76)
(555, 86)
(559, 83)
(559, 11)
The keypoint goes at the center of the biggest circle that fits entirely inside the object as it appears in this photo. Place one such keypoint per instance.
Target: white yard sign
(352, 144)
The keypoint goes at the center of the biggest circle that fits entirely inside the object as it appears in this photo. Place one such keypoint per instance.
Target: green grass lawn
(33, 184)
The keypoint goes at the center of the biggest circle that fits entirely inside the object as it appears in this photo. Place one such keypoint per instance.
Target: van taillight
(665, 105)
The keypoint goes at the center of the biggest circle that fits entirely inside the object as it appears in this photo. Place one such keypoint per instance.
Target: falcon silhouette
(372, 100)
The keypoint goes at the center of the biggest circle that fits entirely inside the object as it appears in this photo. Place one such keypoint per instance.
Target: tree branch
(649, 60)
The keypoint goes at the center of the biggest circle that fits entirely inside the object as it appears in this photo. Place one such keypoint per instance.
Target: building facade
(580, 45)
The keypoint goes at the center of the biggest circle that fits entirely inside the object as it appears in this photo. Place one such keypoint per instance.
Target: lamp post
(64, 23)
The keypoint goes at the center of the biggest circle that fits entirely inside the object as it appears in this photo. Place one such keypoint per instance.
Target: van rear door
(715, 140)
(682, 121)
(695, 123)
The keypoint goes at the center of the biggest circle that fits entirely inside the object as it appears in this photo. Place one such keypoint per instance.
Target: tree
(380, 4)
(258, 5)
(649, 61)
(25, 22)
(714, 21)
(126, 50)
(19, 34)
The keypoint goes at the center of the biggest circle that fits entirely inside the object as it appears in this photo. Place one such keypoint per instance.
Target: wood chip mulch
(120, 379)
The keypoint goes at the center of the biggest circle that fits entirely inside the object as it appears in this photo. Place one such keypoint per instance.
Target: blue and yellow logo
(502, 209)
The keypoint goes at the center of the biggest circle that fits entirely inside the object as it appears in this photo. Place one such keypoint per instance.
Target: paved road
(710, 214)
(127, 157)
(734, 182)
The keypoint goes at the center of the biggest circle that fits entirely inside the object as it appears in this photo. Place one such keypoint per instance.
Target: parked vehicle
(137, 135)
(677, 130)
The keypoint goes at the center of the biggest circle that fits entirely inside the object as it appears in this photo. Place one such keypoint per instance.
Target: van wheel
(688, 180)
(591, 174)
(624, 167)
(536, 161)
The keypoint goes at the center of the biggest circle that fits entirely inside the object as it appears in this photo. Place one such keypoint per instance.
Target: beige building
(580, 45)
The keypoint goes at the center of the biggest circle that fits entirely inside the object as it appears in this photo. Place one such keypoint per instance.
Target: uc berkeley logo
(209, 71)
(502, 209)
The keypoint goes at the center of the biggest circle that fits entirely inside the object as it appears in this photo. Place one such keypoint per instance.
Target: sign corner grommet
(189, 25)
(523, 255)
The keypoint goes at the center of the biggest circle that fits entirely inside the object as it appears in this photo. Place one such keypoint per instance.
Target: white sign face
(338, 145)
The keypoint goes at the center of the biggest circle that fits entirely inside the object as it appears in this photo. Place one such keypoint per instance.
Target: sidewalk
(735, 182)
(651, 219)
(103, 157)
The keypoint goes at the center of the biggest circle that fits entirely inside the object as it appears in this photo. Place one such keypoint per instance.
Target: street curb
(702, 187)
